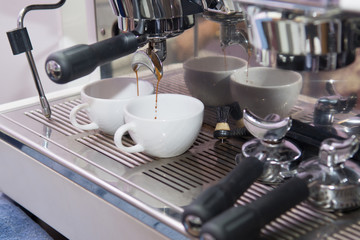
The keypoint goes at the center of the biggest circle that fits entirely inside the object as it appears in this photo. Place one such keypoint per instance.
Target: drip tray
(176, 179)
(164, 183)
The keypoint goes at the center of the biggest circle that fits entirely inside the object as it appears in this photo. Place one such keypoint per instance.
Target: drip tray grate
(105, 145)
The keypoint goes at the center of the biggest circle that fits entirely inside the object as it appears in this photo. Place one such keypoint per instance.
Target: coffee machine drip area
(277, 153)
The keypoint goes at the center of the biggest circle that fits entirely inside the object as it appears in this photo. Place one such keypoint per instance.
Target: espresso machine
(84, 187)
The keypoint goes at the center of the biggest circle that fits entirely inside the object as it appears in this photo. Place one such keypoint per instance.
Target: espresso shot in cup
(168, 132)
(104, 101)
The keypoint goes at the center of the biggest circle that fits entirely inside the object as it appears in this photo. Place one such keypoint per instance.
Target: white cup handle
(73, 113)
(118, 138)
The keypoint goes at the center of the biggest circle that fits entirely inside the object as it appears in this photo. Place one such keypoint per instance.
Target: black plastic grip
(245, 222)
(311, 137)
(223, 195)
(19, 41)
(80, 60)
(306, 133)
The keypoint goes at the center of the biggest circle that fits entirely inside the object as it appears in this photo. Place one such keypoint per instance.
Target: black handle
(77, 61)
(245, 222)
(306, 133)
(311, 137)
(221, 196)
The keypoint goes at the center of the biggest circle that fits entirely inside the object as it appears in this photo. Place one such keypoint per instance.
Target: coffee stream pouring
(330, 182)
(269, 158)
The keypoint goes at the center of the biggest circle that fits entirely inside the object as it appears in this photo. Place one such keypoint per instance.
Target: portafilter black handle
(245, 222)
(69, 64)
(222, 195)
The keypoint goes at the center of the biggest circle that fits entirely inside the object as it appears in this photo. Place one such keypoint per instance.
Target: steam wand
(20, 42)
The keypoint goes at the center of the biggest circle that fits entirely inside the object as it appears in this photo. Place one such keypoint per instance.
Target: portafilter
(269, 158)
(330, 182)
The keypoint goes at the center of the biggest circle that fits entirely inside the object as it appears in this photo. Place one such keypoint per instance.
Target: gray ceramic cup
(266, 90)
(208, 78)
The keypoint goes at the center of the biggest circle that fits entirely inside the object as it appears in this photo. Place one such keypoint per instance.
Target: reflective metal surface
(296, 41)
(327, 107)
(334, 178)
(232, 29)
(270, 129)
(160, 28)
(145, 9)
(155, 20)
(149, 60)
(297, 35)
(280, 156)
(160, 18)
(309, 6)
(227, 7)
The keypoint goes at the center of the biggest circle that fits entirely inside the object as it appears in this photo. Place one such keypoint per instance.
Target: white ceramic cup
(208, 78)
(266, 90)
(179, 120)
(104, 101)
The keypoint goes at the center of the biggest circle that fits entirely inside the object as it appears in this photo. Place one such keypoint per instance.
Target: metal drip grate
(197, 169)
(351, 232)
(105, 145)
(60, 118)
(295, 223)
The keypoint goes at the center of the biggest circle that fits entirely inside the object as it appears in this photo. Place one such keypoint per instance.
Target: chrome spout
(233, 30)
(149, 59)
(232, 34)
(158, 46)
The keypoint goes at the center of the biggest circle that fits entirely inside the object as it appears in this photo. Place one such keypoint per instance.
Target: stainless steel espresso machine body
(298, 35)
(83, 186)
